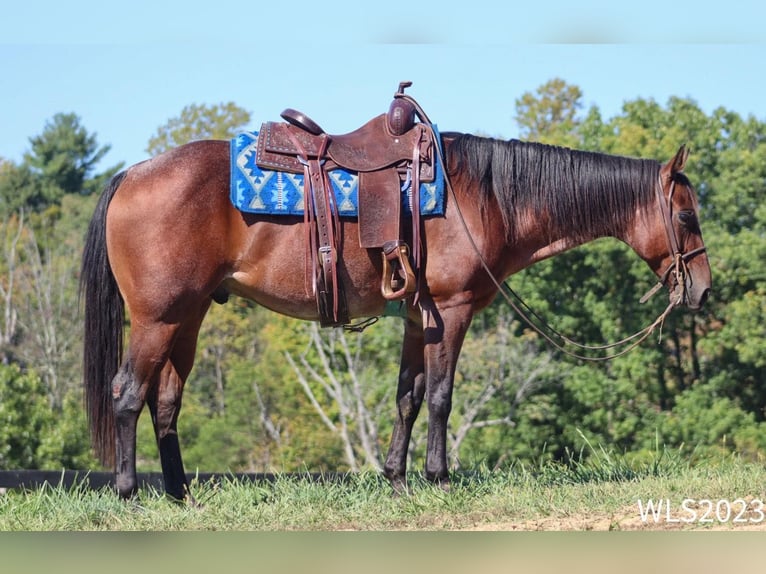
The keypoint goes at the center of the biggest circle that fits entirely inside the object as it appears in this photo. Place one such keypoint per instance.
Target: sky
(127, 68)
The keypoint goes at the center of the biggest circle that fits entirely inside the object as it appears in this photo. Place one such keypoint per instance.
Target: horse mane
(582, 194)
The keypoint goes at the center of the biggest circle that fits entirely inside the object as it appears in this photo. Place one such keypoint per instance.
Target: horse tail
(104, 319)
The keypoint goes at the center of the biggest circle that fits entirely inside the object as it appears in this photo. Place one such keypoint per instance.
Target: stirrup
(397, 283)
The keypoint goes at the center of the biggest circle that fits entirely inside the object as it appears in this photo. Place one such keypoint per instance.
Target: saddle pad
(254, 190)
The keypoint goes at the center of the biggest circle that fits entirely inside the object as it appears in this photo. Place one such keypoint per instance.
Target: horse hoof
(192, 502)
(442, 482)
(126, 489)
(401, 488)
(398, 484)
(183, 498)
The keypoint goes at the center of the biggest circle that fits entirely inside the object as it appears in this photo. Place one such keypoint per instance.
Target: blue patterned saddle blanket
(255, 190)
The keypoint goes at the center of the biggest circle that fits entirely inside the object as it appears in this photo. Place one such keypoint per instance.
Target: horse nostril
(704, 296)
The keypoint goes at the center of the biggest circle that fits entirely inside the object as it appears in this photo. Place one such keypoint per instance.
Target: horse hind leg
(128, 402)
(134, 381)
(165, 407)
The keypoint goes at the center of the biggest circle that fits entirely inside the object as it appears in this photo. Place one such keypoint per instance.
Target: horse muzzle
(692, 295)
(680, 280)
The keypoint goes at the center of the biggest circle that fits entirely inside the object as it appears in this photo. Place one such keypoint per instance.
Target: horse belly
(276, 274)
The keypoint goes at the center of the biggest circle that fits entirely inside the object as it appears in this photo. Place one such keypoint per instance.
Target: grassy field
(603, 493)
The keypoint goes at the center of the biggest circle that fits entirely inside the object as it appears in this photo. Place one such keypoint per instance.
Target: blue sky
(126, 68)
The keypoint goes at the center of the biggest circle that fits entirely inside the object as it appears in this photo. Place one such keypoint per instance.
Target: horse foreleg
(443, 341)
(409, 397)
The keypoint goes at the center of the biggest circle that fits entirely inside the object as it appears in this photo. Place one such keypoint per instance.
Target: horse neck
(533, 243)
(551, 199)
(536, 237)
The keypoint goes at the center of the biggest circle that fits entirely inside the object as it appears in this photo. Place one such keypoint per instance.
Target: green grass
(600, 493)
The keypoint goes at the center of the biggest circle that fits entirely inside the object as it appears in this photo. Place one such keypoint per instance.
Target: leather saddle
(391, 153)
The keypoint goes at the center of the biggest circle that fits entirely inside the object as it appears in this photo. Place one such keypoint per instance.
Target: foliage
(196, 122)
(26, 418)
(271, 393)
(718, 353)
(550, 114)
(46, 203)
(61, 161)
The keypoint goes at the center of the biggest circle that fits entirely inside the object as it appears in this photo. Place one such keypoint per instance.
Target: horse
(165, 241)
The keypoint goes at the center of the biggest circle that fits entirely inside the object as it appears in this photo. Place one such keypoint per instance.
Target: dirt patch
(626, 519)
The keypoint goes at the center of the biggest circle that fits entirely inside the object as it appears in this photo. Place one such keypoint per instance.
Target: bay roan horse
(165, 241)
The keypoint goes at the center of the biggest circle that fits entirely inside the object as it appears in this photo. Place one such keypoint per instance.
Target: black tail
(104, 319)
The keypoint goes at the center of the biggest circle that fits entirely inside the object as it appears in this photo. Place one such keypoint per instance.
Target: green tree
(46, 203)
(245, 408)
(63, 159)
(19, 188)
(498, 376)
(199, 121)
(646, 396)
(67, 443)
(26, 418)
(550, 114)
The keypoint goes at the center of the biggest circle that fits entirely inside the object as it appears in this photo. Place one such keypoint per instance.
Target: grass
(599, 493)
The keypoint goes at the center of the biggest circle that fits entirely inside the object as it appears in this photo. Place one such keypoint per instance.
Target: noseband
(680, 259)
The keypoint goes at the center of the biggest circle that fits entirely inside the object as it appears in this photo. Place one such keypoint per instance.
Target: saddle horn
(401, 114)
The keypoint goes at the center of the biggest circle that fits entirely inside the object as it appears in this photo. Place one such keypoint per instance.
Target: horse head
(669, 237)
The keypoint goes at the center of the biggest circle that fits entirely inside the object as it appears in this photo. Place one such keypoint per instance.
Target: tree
(48, 311)
(13, 228)
(271, 393)
(497, 375)
(45, 204)
(19, 189)
(63, 159)
(633, 401)
(339, 375)
(199, 121)
(550, 114)
(26, 418)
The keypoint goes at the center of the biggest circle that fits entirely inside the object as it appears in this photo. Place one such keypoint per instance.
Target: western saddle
(392, 153)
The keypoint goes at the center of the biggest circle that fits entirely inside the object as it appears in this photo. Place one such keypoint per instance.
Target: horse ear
(680, 160)
(677, 164)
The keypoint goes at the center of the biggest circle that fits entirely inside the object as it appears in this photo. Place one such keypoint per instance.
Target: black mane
(585, 194)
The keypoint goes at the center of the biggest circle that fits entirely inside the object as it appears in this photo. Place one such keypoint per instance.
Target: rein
(678, 265)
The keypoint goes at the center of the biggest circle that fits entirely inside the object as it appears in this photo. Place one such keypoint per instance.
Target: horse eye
(687, 218)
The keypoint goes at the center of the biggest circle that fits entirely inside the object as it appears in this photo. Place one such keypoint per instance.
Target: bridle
(680, 259)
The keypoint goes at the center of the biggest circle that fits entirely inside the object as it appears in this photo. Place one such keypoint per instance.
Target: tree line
(271, 393)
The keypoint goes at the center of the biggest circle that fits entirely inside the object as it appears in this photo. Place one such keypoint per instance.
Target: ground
(627, 519)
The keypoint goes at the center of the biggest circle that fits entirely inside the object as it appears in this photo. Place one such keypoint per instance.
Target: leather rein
(678, 266)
